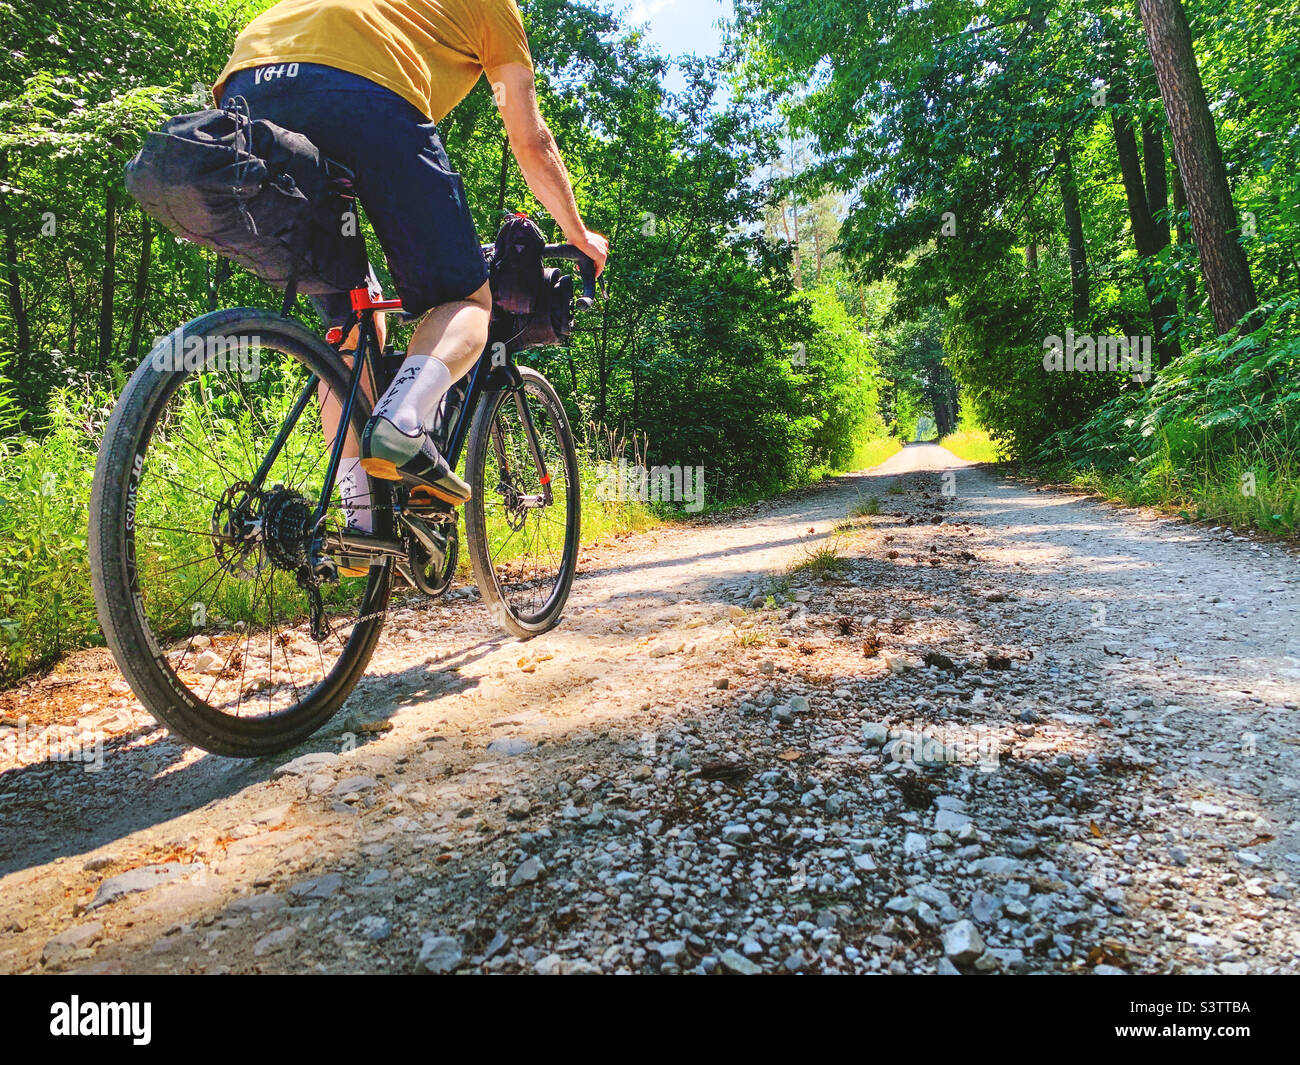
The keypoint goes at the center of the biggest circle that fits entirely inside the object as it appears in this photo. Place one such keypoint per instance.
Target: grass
(750, 637)
(973, 445)
(873, 452)
(822, 562)
(1258, 487)
(865, 508)
(46, 605)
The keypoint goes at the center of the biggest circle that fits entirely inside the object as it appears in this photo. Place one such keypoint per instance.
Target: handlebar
(586, 270)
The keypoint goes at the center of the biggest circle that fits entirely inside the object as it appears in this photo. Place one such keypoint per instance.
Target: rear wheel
(199, 570)
(522, 534)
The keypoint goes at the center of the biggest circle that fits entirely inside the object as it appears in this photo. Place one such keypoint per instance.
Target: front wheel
(523, 522)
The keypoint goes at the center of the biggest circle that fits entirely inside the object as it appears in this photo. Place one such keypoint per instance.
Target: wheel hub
(253, 529)
(512, 504)
(236, 531)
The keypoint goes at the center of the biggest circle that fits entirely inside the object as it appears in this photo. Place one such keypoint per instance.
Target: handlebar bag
(550, 322)
(515, 269)
(256, 193)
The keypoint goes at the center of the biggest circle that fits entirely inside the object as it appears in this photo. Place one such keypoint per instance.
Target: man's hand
(515, 92)
(593, 245)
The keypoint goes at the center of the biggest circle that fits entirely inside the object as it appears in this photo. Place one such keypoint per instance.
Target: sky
(678, 26)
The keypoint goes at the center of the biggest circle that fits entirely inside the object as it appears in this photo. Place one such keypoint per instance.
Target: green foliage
(973, 445)
(46, 605)
(956, 131)
(1217, 434)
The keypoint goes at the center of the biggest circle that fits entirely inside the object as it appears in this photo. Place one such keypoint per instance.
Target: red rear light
(334, 335)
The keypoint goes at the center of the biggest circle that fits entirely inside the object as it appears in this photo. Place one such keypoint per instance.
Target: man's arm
(539, 157)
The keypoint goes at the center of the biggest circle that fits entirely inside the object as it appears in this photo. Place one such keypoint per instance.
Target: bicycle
(238, 604)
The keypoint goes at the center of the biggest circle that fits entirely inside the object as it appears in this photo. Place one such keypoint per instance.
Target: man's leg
(352, 483)
(445, 345)
(443, 348)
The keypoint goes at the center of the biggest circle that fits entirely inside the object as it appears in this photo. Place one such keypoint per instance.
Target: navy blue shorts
(410, 193)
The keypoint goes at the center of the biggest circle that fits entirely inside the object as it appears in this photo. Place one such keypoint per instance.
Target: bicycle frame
(487, 374)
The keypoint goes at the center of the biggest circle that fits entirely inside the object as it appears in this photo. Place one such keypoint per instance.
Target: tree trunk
(1214, 216)
(141, 287)
(636, 392)
(13, 285)
(17, 307)
(1184, 237)
(794, 211)
(1157, 179)
(74, 310)
(1031, 256)
(1079, 285)
(1130, 169)
(1145, 234)
(108, 279)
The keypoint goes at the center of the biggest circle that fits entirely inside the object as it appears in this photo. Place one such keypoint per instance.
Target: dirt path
(983, 727)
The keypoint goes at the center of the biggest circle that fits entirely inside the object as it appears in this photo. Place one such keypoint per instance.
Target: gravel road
(924, 718)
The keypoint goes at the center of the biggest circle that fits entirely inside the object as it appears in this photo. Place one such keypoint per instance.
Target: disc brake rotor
(236, 531)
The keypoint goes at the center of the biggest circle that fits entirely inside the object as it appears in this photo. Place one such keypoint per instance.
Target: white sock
(354, 490)
(415, 393)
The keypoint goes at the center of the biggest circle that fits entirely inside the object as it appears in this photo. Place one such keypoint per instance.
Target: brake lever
(587, 271)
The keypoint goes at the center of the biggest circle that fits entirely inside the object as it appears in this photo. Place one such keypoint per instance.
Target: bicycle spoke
(205, 533)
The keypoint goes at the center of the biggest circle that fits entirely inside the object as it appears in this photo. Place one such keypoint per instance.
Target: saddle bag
(259, 194)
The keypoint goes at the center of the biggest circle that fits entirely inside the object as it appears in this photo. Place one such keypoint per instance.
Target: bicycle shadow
(141, 785)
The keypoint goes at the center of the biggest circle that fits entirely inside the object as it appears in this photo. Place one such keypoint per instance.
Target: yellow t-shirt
(430, 52)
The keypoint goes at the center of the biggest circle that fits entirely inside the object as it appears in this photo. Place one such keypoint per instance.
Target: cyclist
(367, 81)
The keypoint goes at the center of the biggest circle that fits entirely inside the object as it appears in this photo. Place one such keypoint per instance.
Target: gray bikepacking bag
(256, 193)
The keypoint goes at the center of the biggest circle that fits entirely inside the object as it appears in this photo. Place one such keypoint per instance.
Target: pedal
(419, 528)
(431, 509)
(325, 569)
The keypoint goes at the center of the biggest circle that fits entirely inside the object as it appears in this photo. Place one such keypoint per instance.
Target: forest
(860, 217)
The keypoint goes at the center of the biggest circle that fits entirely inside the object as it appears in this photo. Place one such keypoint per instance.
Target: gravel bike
(237, 602)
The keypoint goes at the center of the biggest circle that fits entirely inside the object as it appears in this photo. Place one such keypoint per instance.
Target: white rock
(439, 954)
(962, 942)
(63, 946)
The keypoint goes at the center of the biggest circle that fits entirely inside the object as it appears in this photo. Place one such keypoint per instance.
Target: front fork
(515, 382)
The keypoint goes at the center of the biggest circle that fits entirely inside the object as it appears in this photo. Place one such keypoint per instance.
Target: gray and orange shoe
(392, 455)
